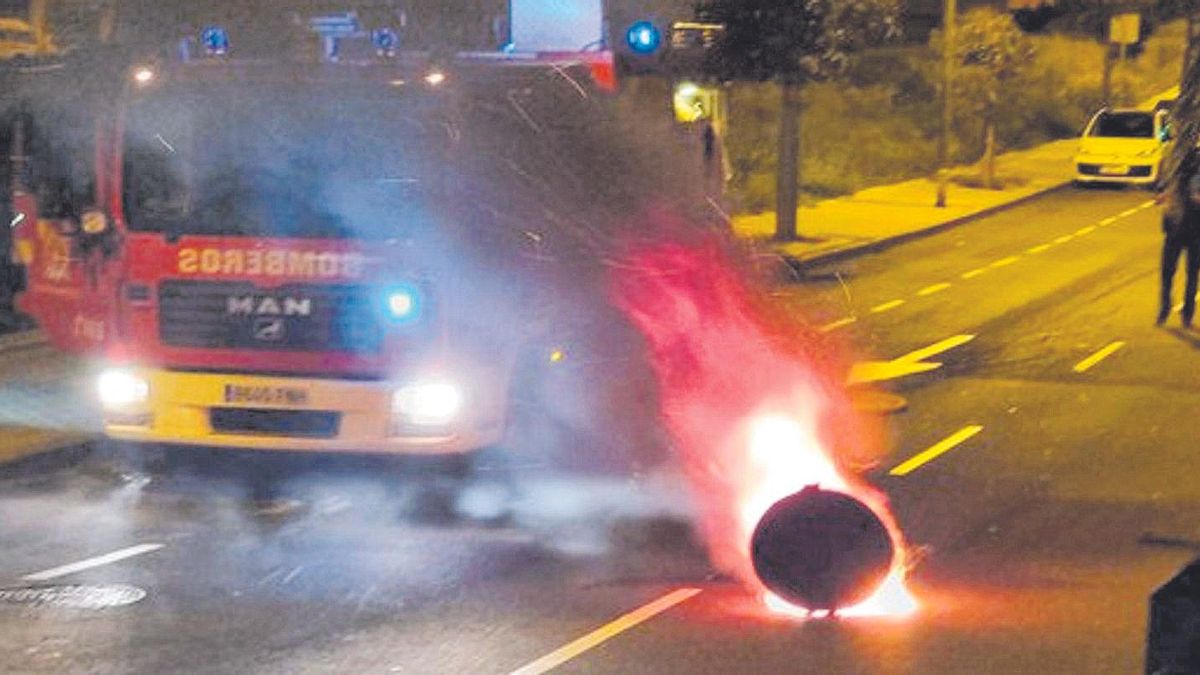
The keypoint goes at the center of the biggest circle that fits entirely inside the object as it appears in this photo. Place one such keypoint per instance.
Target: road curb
(21, 340)
(799, 263)
(54, 453)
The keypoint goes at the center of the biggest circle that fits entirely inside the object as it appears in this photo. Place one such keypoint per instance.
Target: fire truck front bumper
(427, 416)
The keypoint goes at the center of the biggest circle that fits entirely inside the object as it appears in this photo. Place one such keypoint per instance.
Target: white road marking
(1004, 262)
(606, 632)
(936, 450)
(1086, 364)
(893, 304)
(1085, 230)
(936, 288)
(1040, 248)
(98, 561)
(974, 273)
(840, 323)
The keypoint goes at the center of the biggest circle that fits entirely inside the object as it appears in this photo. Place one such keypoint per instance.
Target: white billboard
(556, 25)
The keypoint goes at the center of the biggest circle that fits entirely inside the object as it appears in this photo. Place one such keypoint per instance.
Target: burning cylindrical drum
(821, 550)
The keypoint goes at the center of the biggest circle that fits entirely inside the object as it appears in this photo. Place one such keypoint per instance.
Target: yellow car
(1123, 146)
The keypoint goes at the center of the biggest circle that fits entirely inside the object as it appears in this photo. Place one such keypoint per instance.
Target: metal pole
(949, 11)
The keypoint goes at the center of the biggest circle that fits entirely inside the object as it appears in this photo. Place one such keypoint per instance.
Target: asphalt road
(1029, 532)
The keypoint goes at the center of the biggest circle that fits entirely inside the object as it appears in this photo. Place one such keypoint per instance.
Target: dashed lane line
(1086, 364)
(1085, 230)
(606, 632)
(974, 273)
(1064, 239)
(1040, 248)
(936, 450)
(935, 288)
(1004, 262)
(1109, 220)
(887, 306)
(89, 563)
(840, 323)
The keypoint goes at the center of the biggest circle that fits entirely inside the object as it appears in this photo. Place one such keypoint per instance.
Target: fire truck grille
(232, 315)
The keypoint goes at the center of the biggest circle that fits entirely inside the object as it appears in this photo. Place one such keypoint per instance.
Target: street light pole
(949, 10)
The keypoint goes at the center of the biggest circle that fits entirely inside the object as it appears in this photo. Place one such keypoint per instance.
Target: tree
(991, 53)
(792, 42)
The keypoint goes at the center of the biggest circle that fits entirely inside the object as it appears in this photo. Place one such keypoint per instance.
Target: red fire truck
(318, 254)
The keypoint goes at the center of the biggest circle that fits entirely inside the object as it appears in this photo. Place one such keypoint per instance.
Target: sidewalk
(885, 215)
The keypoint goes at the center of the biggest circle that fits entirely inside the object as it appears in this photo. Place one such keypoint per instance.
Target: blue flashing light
(215, 40)
(643, 37)
(404, 303)
(386, 40)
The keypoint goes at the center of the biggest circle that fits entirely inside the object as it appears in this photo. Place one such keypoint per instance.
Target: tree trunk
(989, 155)
(787, 179)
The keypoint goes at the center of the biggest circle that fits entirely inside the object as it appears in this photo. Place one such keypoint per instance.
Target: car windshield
(1124, 125)
(280, 161)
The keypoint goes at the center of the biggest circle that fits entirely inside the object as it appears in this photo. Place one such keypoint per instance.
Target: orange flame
(754, 410)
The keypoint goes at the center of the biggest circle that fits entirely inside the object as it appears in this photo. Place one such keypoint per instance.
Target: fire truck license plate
(238, 393)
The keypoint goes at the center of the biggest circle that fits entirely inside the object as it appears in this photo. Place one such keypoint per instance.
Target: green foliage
(793, 41)
(879, 124)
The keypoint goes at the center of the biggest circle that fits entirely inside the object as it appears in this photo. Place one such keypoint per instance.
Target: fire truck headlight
(121, 389)
(404, 303)
(435, 403)
(143, 75)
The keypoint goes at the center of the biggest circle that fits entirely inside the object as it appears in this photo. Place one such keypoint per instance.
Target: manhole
(100, 596)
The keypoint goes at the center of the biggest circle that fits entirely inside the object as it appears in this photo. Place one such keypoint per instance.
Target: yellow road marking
(974, 273)
(840, 323)
(886, 306)
(1149, 203)
(936, 450)
(606, 632)
(936, 288)
(1085, 230)
(1041, 248)
(1129, 212)
(1064, 239)
(1005, 261)
(1109, 220)
(1099, 356)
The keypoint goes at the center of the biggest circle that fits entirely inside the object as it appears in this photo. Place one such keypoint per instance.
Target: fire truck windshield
(283, 161)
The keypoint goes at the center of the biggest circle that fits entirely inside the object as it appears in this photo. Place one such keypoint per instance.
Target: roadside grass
(880, 125)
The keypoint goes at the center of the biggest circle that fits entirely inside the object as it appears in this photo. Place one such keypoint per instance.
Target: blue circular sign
(643, 37)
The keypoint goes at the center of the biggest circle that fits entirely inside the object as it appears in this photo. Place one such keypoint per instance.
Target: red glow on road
(754, 403)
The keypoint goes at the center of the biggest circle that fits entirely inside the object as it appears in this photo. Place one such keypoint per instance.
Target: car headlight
(121, 389)
(432, 404)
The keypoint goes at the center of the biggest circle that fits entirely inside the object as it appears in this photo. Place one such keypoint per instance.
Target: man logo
(250, 305)
(268, 329)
